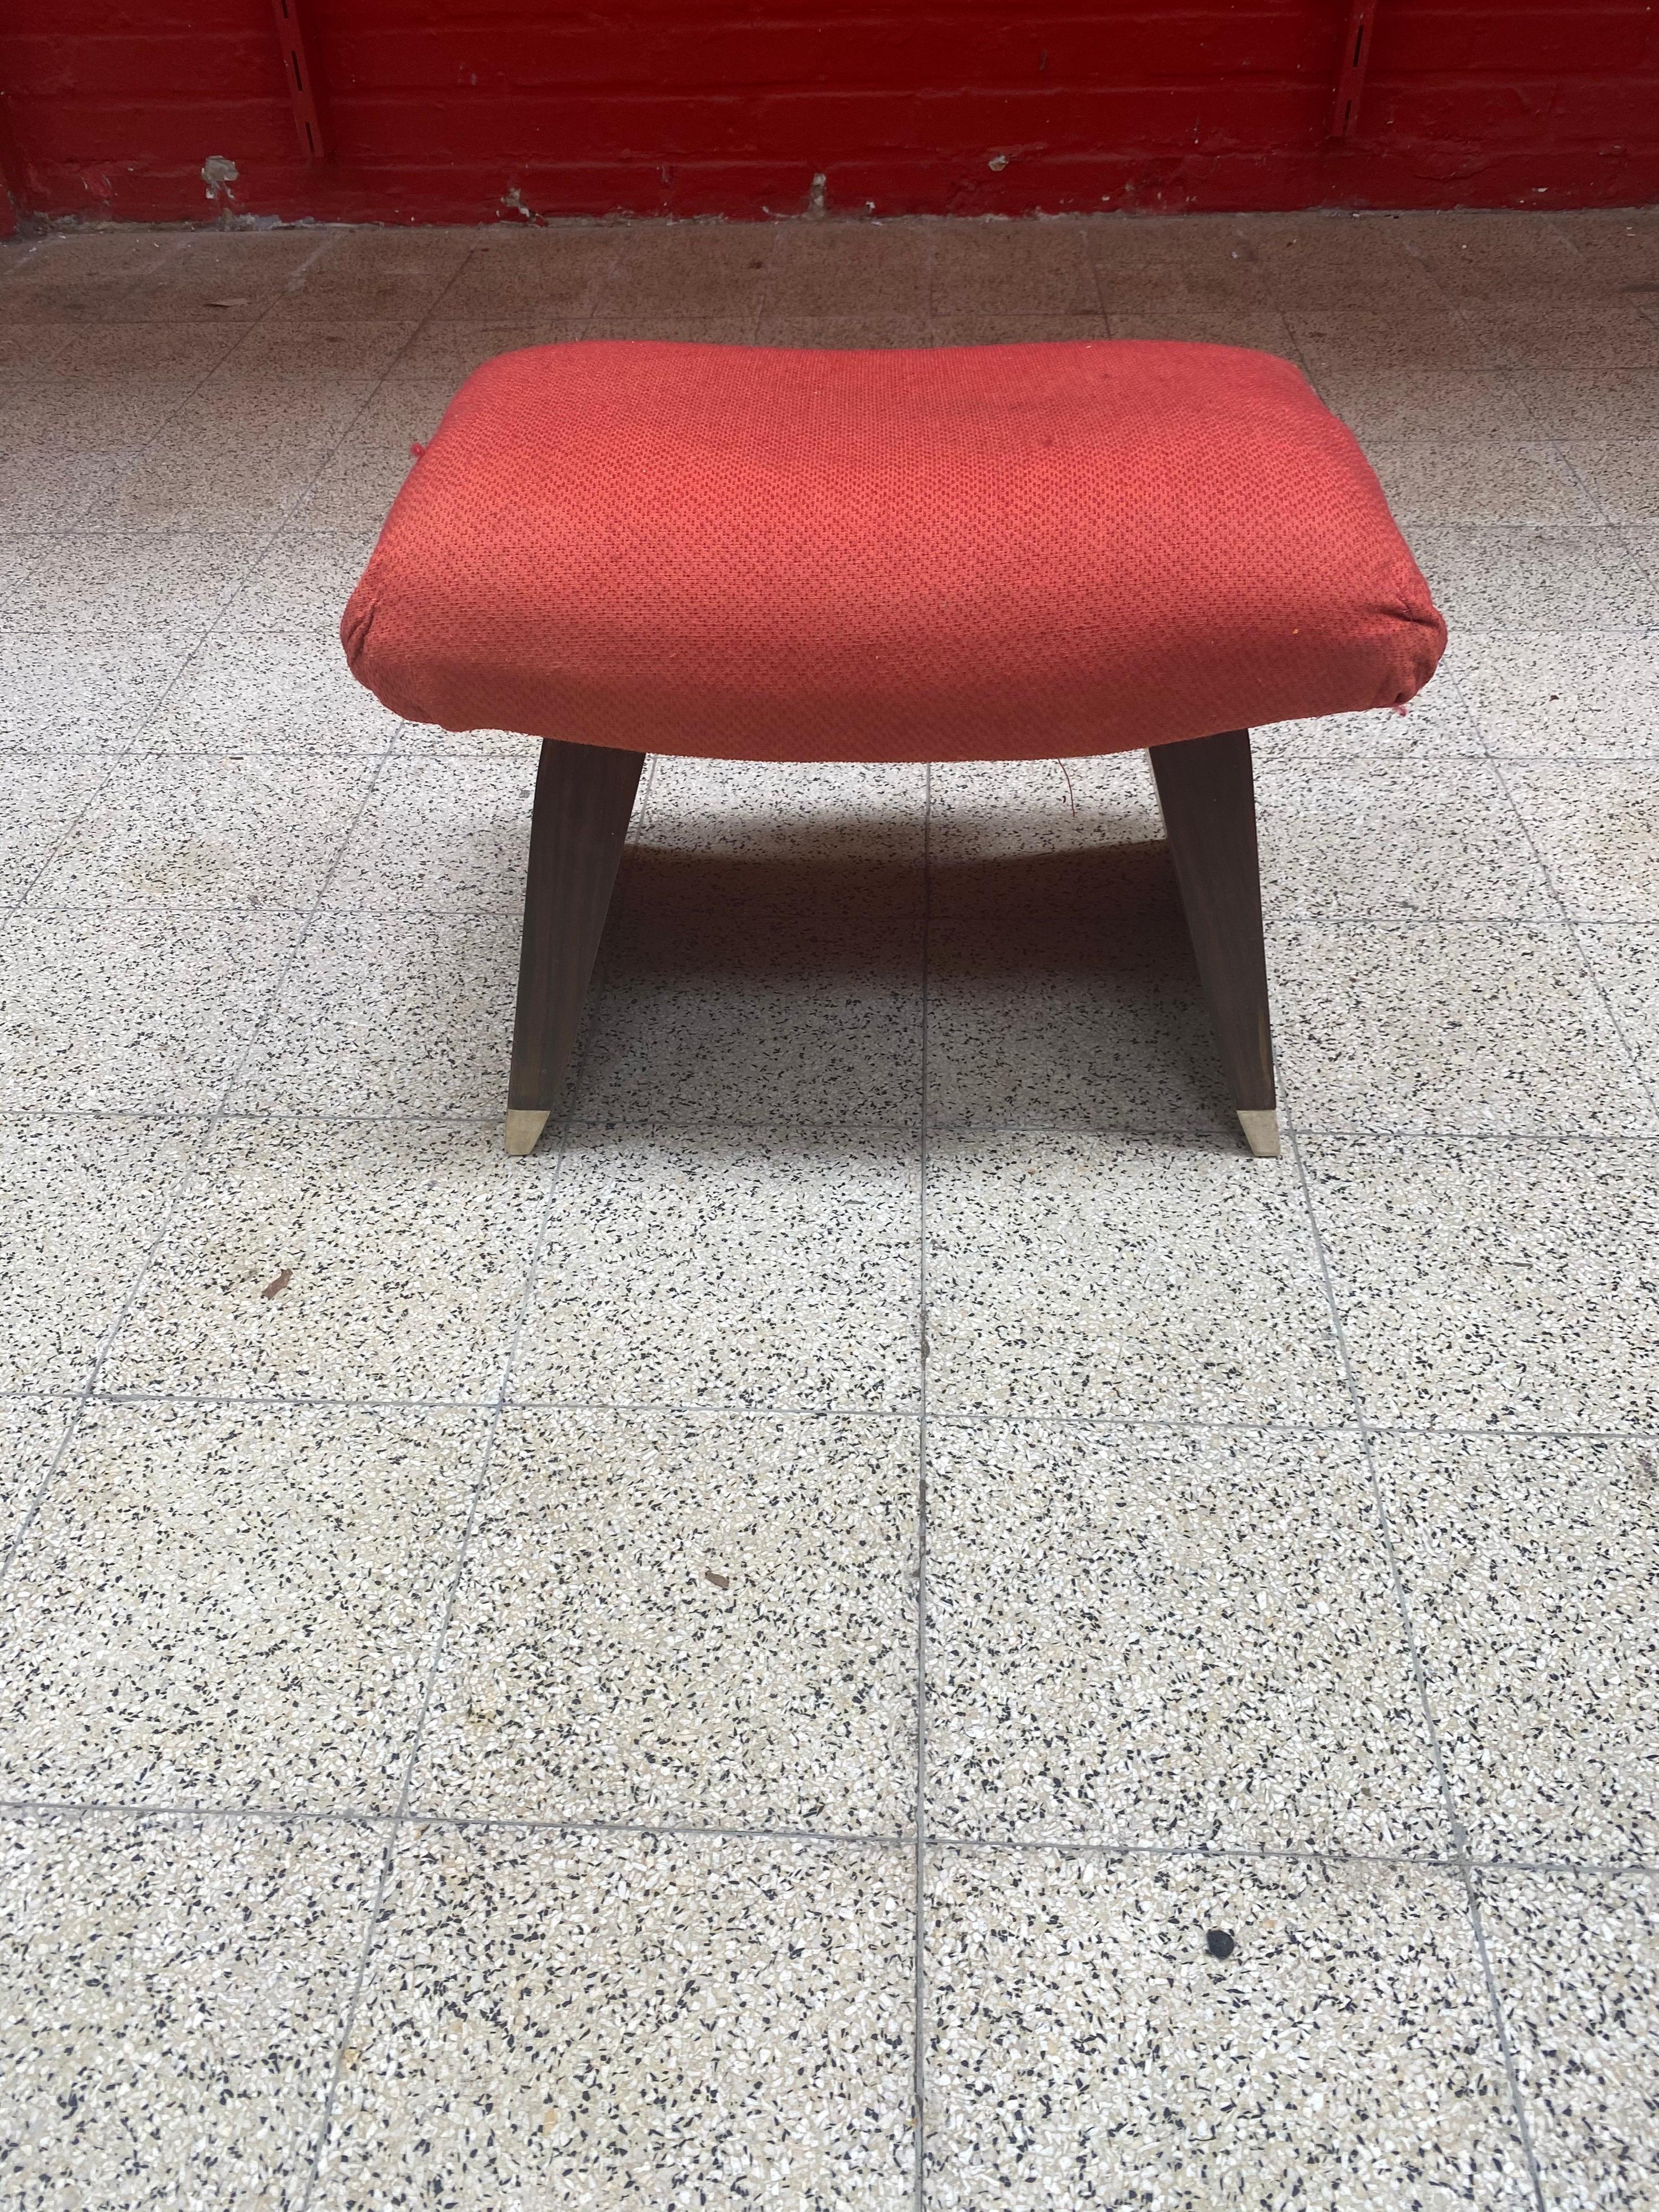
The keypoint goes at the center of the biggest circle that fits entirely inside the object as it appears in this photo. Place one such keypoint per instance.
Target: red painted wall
(443, 110)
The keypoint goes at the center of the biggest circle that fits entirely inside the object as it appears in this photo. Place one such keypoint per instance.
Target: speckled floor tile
(384, 1014)
(1112, 1049)
(174, 1997)
(1019, 812)
(1390, 842)
(46, 490)
(186, 830)
(1622, 474)
(687, 269)
(363, 1260)
(1064, 1276)
(756, 1045)
(1086, 2046)
(1312, 242)
(1620, 244)
(1385, 406)
(31, 1430)
(82, 1197)
(1592, 403)
(286, 421)
(89, 414)
(301, 582)
(816, 814)
(1576, 1958)
(209, 472)
(1642, 539)
(359, 480)
(270, 692)
(857, 333)
(685, 1618)
(1012, 268)
(1495, 1282)
(19, 550)
(729, 1270)
(1479, 255)
(415, 741)
(1564, 697)
(1529, 1566)
(60, 695)
(984, 326)
(1482, 480)
(1453, 1026)
(1624, 962)
(1596, 824)
(1062, 994)
(667, 326)
(747, 992)
(46, 796)
(187, 350)
(247, 271)
(1568, 333)
(377, 273)
(167, 585)
(849, 268)
(1146, 1637)
(443, 349)
(217, 1606)
(347, 357)
(1533, 576)
(1141, 257)
(1436, 726)
(130, 1011)
(442, 836)
(597, 2022)
(551, 269)
(1418, 331)
(1203, 322)
(89, 276)
(1148, 264)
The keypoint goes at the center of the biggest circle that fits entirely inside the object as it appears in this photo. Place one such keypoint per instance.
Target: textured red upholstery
(981, 552)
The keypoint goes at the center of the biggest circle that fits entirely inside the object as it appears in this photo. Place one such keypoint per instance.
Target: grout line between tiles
(718, 1830)
(1242, 1854)
(884, 1416)
(1420, 1675)
(419, 1818)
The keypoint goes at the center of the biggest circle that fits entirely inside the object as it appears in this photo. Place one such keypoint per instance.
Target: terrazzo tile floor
(890, 1620)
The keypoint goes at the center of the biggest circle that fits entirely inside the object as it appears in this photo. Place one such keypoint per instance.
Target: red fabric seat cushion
(978, 552)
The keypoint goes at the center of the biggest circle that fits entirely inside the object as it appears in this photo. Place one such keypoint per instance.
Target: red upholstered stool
(975, 553)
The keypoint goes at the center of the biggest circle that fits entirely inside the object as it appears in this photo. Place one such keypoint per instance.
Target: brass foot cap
(1259, 1123)
(524, 1125)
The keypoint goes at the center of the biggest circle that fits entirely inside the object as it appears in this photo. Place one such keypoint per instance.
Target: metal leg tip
(1260, 1127)
(524, 1125)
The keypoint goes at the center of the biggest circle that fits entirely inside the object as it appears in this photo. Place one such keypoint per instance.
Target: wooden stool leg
(584, 797)
(1208, 796)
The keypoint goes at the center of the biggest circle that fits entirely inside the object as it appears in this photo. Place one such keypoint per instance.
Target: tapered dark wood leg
(1207, 791)
(584, 797)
